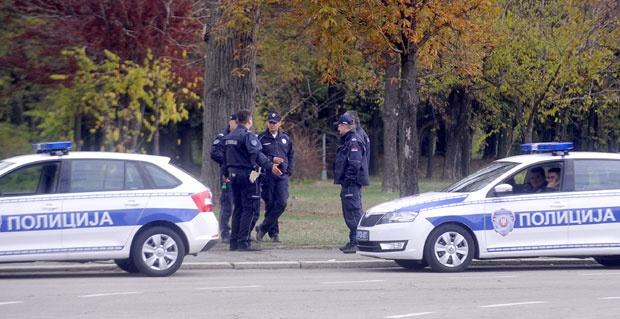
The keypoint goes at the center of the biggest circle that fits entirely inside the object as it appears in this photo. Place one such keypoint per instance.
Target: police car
(506, 210)
(139, 210)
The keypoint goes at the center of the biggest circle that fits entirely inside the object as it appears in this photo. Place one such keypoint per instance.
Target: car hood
(416, 203)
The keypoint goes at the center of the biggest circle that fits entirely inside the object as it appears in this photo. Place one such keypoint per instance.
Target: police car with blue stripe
(551, 202)
(139, 210)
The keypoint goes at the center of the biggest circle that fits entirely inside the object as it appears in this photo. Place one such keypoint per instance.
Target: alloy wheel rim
(451, 249)
(160, 252)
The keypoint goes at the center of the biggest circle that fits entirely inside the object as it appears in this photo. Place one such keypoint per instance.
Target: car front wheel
(449, 248)
(158, 251)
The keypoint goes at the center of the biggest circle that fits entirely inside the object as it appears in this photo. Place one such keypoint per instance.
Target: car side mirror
(502, 189)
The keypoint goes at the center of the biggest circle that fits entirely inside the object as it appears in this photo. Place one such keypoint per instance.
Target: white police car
(503, 211)
(139, 210)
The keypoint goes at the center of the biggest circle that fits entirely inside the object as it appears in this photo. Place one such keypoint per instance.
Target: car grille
(369, 221)
(368, 246)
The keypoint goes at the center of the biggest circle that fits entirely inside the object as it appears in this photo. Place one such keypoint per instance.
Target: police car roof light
(546, 147)
(62, 147)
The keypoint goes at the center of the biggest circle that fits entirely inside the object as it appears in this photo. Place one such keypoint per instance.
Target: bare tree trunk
(432, 140)
(230, 78)
(458, 134)
(156, 140)
(409, 109)
(78, 131)
(391, 181)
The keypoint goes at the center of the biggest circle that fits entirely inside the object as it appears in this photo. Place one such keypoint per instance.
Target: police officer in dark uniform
(277, 146)
(242, 161)
(226, 198)
(349, 173)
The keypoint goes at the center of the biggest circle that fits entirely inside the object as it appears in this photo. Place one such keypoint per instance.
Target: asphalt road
(554, 292)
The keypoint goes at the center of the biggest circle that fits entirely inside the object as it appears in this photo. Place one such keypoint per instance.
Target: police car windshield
(480, 178)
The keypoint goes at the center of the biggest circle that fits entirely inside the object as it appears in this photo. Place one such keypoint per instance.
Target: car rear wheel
(126, 265)
(158, 251)
(449, 248)
(411, 264)
(608, 261)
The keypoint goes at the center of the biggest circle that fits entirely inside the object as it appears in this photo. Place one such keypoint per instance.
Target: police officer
(226, 198)
(242, 160)
(350, 174)
(277, 146)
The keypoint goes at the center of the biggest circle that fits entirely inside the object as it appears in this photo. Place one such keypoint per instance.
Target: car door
(595, 206)
(107, 199)
(524, 223)
(31, 213)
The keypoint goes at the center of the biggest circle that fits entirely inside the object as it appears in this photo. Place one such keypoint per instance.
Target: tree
(124, 103)
(230, 69)
(415, 31)
(551, 50)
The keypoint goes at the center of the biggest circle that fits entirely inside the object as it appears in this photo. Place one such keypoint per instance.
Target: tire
(157, 251)
(608, 261)
(449, 248)
(411, 264)
(126, 265)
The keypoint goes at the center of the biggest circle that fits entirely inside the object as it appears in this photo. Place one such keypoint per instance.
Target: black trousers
(226, 207)
(275, 194)
(246, 201)
(351, 199)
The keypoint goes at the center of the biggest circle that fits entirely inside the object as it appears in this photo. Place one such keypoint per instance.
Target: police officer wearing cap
(277, 146)
(243, 158)
(226, 198)
(350, 174)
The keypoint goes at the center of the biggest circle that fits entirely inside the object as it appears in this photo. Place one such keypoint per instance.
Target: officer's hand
(278, 160)
(226, 180)
(275, 170)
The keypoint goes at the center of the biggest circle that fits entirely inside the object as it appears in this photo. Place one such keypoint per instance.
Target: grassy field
(313, 217)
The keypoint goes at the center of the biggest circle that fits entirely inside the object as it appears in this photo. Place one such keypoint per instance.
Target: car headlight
(398, 217)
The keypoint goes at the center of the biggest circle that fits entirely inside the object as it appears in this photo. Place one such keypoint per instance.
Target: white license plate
(361, 235)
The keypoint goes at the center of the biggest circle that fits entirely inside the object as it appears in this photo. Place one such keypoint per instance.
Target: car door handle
(50, 207)
(558, 205)
(132, 203)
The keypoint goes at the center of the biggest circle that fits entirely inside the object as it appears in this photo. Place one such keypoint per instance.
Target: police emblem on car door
(503, 221)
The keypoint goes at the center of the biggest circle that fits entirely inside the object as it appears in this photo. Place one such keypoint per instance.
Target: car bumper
(201, 232)
(384, 241)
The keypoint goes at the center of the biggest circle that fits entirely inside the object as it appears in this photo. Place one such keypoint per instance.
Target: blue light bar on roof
(53, 147)
(547, 147)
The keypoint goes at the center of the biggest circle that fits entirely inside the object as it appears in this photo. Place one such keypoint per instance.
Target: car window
(40, 178)
(540, 178)
(161, 178)
(592, 175)
(96, 175)
(480, 178)
(133, 179)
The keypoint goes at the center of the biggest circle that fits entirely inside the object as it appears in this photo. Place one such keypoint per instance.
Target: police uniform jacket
(243, 151)
(366, 143)
(349, 166)
(279, 146)
(217, 149)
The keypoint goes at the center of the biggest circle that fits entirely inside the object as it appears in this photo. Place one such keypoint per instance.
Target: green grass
(313, 217)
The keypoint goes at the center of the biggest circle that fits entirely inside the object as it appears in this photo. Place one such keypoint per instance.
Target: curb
(318, 264)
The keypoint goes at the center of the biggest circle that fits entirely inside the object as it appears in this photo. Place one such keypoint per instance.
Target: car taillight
(203, 201)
